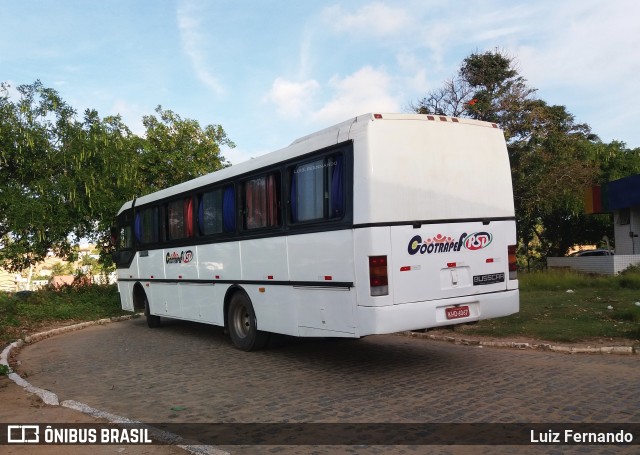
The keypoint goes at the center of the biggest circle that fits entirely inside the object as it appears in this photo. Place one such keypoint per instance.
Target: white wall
(624, 243)
(604, 265)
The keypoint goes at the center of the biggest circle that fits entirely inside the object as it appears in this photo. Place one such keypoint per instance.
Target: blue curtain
(229, 209)
(138, 227)
(337, 189)
(294, 199)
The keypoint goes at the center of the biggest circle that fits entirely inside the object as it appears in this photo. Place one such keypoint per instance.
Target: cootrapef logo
(445, 244)
(183, 257)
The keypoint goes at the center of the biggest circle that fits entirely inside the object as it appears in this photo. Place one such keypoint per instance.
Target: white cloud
(291, 98)
(375, 19)
(305, 58)
(414, 69)
(12, 91)
(367, 90)
(581, 55)
(585, 44)
(192, 41)
(131, 116)
(238, 155)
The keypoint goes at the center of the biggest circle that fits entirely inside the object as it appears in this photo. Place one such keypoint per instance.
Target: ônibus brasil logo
(183, 257)
(444, 244)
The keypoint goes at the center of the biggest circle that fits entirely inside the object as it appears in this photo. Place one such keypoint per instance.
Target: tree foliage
(63, 178)
(553, 157)
(176, 150)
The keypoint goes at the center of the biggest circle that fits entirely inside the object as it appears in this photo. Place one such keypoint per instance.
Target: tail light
(513, 263)
(378, 278)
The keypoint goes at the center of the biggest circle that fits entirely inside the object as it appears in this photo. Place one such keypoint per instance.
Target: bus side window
(175, 216)
(180, 218)
(147, 225)
(261, 202)
(210, 212)
(317, 189)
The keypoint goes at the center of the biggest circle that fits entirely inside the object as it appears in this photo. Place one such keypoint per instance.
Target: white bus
(380, 224)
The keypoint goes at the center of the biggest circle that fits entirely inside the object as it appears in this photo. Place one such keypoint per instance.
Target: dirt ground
(18, 406)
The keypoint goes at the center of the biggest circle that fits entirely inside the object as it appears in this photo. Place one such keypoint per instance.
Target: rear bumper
(427, 314)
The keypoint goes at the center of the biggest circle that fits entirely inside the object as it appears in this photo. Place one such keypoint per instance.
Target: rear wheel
(243, 325)
(153, 321)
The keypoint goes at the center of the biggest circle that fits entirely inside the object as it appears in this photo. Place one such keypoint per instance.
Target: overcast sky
(270, 71)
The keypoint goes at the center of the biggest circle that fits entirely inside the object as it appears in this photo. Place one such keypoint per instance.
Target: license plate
(457, 312)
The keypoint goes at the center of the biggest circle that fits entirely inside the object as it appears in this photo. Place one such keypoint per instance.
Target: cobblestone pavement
(190, 373)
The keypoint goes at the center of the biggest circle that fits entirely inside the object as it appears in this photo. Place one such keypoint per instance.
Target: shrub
(630, 277)
(560, 279)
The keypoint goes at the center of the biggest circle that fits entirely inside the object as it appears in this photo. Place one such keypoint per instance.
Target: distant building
(622, 198)
(7, 281)
(42, 273)
(61, 280)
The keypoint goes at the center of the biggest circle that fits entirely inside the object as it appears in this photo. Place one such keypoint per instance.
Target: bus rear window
(317, 189)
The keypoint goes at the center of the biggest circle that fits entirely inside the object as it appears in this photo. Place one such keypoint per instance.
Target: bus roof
(324, 138)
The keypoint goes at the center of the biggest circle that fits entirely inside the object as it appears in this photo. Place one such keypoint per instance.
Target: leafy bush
(630, 278)
(25, 313)
(629, 314)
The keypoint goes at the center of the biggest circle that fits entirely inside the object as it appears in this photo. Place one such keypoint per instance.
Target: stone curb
(71, 328)
(621, 350)
(51, 398)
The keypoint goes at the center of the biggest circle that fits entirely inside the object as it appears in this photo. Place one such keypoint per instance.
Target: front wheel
(243, 325)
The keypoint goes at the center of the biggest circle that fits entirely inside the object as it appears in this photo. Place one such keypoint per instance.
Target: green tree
(553, 158)
(551, 169)
(177, 149)
(64, 178)
(60, 177)
(487, 87)
(63, 268)
(617, 161)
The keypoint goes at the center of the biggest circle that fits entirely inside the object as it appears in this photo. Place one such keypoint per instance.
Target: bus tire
(153, 321)
(243, 325)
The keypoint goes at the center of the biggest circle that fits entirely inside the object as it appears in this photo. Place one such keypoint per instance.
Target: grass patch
(22, 315)
(566, 306)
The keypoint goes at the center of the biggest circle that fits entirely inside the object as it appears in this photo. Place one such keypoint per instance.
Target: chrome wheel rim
(241, 321)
